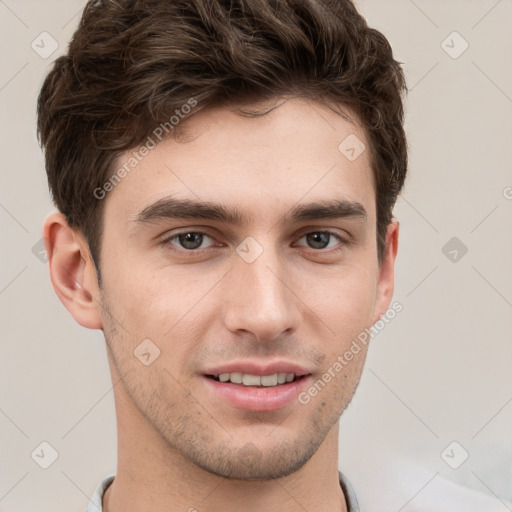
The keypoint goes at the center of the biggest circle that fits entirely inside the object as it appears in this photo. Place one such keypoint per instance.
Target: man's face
(271, 293)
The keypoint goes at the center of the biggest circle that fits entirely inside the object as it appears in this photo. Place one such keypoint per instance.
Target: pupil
(318, 240)
(191, 240)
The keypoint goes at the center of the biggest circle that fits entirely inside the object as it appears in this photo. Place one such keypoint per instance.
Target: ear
(386, 282)
(72, 271)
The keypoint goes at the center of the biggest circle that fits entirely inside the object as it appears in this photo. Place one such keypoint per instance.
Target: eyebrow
(187, 209)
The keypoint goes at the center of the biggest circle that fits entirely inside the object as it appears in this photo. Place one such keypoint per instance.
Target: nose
(259, 298)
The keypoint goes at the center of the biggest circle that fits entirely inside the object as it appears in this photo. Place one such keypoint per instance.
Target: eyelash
(342, 241)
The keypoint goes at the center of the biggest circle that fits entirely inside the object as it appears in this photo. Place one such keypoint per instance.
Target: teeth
(251, 380)
(247, 379)
(269, 380)
(236, 378)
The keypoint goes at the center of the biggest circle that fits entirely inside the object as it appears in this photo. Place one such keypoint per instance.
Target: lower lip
(258, 398)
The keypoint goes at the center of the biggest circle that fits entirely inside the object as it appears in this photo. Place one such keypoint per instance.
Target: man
(225, 174)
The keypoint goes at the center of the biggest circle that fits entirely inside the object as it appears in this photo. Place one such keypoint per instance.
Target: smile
(246, 379)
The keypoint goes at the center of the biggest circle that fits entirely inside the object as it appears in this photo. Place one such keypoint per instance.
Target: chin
(251, 463)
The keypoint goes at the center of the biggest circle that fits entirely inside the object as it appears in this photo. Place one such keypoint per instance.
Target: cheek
(344, 299)
(159, 303)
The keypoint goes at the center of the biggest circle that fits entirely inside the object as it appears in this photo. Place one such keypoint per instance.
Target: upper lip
(259, 368)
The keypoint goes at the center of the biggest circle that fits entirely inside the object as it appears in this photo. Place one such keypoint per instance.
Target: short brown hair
(132, 63)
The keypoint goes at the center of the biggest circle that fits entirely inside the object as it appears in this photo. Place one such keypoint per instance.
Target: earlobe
(386, 283)
(72, 271)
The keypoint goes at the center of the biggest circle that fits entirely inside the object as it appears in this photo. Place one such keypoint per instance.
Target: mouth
(256, 387)
(258, 381)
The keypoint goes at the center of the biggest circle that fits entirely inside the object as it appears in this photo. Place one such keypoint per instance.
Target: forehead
(299, 150)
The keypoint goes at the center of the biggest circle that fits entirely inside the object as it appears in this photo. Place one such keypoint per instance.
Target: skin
(180, 447)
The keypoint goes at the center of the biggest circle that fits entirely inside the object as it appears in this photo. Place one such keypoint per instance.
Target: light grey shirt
(95, 505)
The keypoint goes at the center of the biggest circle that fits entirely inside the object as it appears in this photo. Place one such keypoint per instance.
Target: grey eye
(189, 240)
(320, 239)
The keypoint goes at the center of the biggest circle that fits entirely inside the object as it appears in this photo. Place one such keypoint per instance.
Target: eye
(321, 239)
(189, 240)
(193, 241)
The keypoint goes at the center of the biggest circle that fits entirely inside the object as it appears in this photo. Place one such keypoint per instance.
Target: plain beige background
(438, 373)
